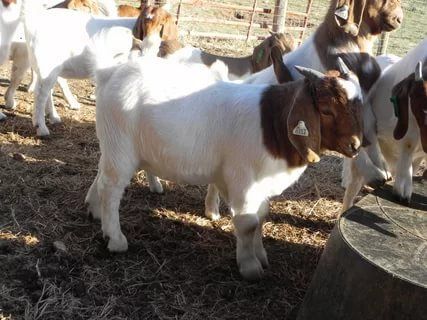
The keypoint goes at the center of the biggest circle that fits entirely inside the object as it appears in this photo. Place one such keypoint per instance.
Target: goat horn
(419, 72)
(344, 70)
(310, 74)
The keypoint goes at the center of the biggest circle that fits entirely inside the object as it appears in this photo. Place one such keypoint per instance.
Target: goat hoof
(377, 183)
(251, 270)
(74, 106)
(156, 188)
(42, 131)
(118, 245)
(212, 215)
(54, 119)
(401, 199)
(2, 116)
(11, 105)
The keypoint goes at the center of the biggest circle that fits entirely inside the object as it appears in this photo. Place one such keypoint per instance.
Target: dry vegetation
(179, 264)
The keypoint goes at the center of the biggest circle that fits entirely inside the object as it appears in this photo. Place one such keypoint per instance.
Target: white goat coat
(387, 154)
(211, 136)
(379, 99)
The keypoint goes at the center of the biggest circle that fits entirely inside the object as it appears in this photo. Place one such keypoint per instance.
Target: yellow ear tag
(300, 129)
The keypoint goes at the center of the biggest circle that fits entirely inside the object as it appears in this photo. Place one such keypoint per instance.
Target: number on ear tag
(300, 129)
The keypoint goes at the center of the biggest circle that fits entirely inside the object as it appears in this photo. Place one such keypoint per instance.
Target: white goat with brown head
(248, 142)
(408, 125)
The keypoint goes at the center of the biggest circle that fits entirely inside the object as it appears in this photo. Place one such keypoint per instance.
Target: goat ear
(304, 126)
(280, 69)
(349, 14)
(138, 29)
(261, 55)
(170, 29)
(400, 97)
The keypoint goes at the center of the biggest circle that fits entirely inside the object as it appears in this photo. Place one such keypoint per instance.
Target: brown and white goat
(248, 142)
(153, 26)
(125, 10)
(238, 68)
(90, 6)
(396, 157)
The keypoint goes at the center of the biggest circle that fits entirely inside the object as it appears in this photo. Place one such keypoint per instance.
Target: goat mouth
(390, 26)
(348, 152)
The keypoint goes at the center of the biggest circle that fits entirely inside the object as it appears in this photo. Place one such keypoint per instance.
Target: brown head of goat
(302, 118)
(414, 89)
(154, 19)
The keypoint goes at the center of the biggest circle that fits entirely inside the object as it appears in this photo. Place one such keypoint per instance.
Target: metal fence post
(280, 15)
(382, 46)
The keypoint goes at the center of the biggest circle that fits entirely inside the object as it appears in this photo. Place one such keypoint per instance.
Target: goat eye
(327, 113)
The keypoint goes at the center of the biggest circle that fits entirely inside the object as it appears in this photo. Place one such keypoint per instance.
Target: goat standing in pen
(70, 57)
(18, 51)
(250, 141)
(409, 126)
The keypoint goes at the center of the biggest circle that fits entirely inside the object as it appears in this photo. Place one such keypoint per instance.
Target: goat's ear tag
(395, 102)
(300, 129)
(342, 12)
(259, 55)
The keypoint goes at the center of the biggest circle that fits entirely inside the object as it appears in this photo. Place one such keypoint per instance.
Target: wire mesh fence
(237, 25)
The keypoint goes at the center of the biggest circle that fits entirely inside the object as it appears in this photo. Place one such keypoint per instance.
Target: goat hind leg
(18, 71)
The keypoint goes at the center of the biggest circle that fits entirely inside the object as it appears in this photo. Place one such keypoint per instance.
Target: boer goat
(90, 6)
(239, 68)
(69, 59)
(348, 31)
(18, 53)
(125, 10)
(154, 25)
(250, 142)
(396, 157)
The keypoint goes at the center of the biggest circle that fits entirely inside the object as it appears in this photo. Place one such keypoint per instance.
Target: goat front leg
(403, 182)
(245, 226)
(354, 184)
(73, 104)
(19, 67)
(372, 175)
(260, 252)
(111, 183)
(212, 203)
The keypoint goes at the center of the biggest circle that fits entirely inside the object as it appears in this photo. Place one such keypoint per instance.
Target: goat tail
(109, 47)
